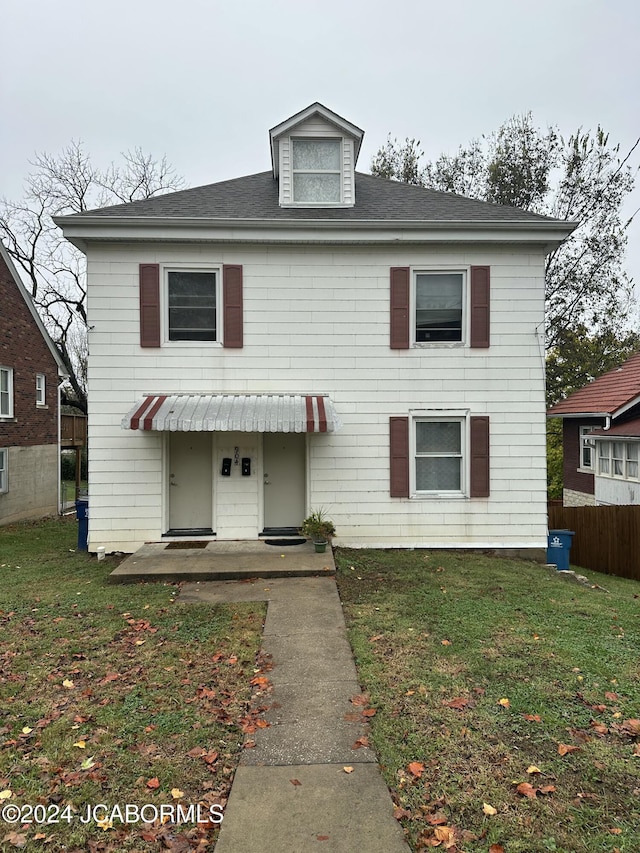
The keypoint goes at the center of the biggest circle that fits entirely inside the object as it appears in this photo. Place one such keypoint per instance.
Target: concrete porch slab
(233, 560)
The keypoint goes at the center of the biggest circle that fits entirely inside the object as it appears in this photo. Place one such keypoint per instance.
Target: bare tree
(54, 270)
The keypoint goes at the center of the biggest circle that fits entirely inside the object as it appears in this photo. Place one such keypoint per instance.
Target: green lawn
(482, 672)
(113, 694)
(507, 699)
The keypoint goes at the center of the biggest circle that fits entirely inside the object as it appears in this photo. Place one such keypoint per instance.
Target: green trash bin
(559, 548)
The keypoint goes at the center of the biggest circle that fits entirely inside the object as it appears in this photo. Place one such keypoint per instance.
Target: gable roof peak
(315, 109)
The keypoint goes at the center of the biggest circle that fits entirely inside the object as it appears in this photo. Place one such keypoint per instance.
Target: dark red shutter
(480, 306)
(479, 443)
(149, 305)
(399, 457)
(232, 316)
(400, 298)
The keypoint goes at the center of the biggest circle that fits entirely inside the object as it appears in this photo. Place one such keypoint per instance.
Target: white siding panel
(317, 322)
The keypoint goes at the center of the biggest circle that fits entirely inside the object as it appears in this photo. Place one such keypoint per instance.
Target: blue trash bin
(82, 514)
(559, 548)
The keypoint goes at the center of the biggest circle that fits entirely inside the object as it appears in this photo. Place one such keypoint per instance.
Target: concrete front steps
(233, 560)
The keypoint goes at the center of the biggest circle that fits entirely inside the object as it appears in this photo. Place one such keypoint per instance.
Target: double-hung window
(4, 470)
(6, 392)
(438, 455)
(41, 395)
(192, 300)
(586, 447)
(439, 307)
(317, 172)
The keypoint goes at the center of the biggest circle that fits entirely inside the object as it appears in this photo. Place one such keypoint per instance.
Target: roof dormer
(314, 155)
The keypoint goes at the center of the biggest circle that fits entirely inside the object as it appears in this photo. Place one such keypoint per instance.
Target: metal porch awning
(238, 412)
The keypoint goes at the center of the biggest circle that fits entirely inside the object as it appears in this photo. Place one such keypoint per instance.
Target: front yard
(114, 695)
(507, 699)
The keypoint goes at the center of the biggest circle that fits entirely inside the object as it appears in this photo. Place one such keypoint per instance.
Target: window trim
(41, 390)
(215, 269)
(413, 306)
(460, 416)
(339, 171)
(587, 443)
(4, 470)
(9, 413)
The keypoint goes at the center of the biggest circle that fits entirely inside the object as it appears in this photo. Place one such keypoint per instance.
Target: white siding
(317, 321)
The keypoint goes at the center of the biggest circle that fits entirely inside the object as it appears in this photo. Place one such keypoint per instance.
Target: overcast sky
(202, 81)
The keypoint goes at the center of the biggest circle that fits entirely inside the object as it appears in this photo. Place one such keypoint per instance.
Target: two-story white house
(312, 336)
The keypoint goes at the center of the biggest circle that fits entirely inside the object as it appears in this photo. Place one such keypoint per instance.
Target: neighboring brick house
(30, 375)
(601, 439)
(313, 336)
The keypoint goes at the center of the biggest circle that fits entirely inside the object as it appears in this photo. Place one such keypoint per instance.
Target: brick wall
(23, 349)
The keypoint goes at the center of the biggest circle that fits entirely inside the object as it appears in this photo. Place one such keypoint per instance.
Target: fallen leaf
(81, 744)
(416, 768)
(615, 830)
(489, 810)
(437, 819)
(362, 741)
(88, 763)
(26, 730)
(547, 789)
(527, 790)
(504, 702)
(369, 712)
(458, 704)
(348, 769)
(295, 782)
(496, 848)
(533, 769)
(6, 794)
(631, 727)
(176, 793)
(612, 697)
(446, 642)
(322, 837)
(68, 684)
(16, 839)
(445, 834)
(566, 748)
(533, 718)
(360, 699)
(153, 783)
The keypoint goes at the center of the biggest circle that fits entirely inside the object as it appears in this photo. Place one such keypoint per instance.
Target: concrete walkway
(291, 793)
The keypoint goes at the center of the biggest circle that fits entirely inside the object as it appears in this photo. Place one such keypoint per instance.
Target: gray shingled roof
(255, 197)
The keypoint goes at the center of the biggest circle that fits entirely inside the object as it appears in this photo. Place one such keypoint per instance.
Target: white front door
(190, 482)
(284, 479)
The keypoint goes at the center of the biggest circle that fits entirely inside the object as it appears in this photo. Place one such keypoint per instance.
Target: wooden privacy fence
(607, 538)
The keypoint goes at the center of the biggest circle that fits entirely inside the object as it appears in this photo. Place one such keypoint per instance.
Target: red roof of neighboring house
(607, 394)
(630, 429)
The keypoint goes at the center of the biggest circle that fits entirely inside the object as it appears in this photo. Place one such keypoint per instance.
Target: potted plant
(319, 529)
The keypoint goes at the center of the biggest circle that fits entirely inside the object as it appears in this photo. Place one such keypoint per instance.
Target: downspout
(60, 507)
(607, 423)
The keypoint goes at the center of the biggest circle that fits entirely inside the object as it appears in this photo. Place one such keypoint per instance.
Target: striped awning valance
(227, 412)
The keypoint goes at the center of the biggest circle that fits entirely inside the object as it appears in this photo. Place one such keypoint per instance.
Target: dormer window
(314, 156)
(317, 173)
